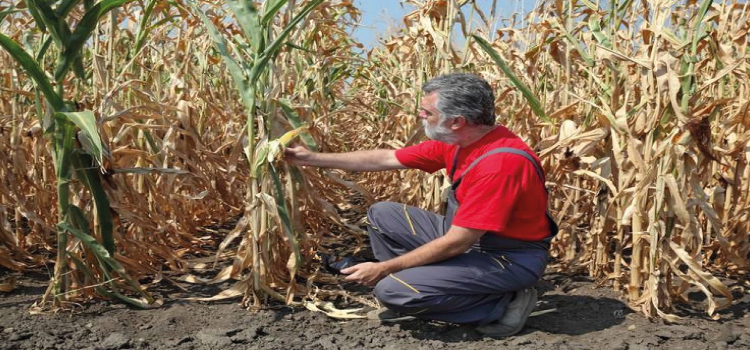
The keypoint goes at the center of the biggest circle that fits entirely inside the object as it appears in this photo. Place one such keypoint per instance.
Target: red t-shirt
(501, 194)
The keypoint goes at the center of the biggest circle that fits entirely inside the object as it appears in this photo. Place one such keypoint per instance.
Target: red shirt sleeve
(428, 156)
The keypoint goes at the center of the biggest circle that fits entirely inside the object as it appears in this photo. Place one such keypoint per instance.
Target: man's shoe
(515, 315)
(388, 315)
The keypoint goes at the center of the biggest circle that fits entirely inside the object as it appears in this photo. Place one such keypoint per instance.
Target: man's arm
(456, 241)
(371, 160)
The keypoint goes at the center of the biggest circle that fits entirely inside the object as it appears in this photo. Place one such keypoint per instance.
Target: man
(479, 262)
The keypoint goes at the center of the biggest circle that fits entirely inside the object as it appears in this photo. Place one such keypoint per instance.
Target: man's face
(429, 113)
(433, 127)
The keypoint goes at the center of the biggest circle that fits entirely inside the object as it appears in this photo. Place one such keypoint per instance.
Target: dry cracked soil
(580, 315)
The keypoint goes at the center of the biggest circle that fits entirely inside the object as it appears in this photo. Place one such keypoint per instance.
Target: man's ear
(458, 122)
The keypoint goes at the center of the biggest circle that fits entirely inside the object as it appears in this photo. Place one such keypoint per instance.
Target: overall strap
(552, 224)
(492, 152)
(455, 162)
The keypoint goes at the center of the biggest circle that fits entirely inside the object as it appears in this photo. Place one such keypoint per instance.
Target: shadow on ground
(566, 314)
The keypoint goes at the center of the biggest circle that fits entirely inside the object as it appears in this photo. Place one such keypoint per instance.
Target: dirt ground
(585, 317)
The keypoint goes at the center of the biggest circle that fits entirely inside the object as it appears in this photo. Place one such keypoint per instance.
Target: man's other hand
(367, 274)
(298, 155)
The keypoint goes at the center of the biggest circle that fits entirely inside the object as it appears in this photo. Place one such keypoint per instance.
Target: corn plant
(249, 64)
(77, 154)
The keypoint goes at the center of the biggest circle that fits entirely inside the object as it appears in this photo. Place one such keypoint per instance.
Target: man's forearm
(456, 241)
(432, 252)
(370, 160)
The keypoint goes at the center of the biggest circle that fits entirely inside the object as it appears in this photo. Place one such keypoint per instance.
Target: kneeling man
(478, 263)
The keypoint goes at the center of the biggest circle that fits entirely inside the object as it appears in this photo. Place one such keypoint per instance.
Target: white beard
(439, 132)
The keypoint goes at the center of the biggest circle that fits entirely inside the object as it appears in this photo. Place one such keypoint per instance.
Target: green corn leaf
(284, 217)
(295, 46)
(698, 25)
(65, 7)
(91, 178)
(77, 218)
(87, 123)
(90, 242)
(296, 122)
(248, 18)
(33, 70)
(78, 68)
(594, 24)
(7, 12)
(536, 106)
(272, 8)
(47, 17)
(103, 292)
(240, 81)
(36, 15)
(108, 262)
(43, 49)
(63, 140)
(82, 33)
(272, 49)
(143, 27)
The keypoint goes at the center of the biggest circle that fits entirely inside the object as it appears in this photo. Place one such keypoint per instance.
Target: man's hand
(367, 274)
(298, 155)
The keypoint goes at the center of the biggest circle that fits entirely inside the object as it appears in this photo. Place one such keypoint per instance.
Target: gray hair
(463, 94)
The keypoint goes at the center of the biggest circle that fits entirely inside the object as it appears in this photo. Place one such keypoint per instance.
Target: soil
(582, 316)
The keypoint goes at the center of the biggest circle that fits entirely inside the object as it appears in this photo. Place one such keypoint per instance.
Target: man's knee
(383, 290)
(390, 294)
(381, 210)
(398, 295)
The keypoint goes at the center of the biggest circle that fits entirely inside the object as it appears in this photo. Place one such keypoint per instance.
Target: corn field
(134, 132)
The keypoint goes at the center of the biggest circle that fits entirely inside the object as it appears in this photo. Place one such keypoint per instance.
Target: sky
(378, 15)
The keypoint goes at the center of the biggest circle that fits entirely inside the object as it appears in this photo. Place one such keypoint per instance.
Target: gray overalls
(473, 287)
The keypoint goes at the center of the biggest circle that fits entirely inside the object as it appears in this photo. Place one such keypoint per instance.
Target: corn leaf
(63, 139)
(283, 213)
(248, 18)
(698, 25)
(143, 27)
(34, 11)
(87, 123)
(141, 304)
(7, 12)
(296, 122)
(272, 8)
(109, 263)
(91, 178)
(594, 24)
(272, 49)
(65, 7)
(59, 30)
(33, 70)
(536, 106)
(82, 33)
(238, 76)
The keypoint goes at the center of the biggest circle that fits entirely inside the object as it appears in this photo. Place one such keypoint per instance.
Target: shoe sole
(527, 311)
(374, 316)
